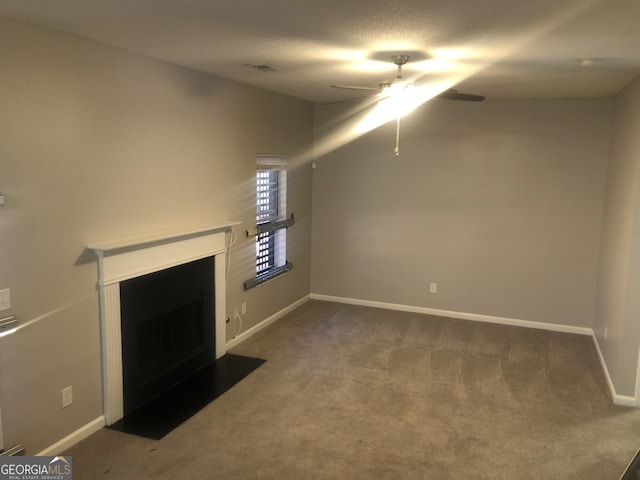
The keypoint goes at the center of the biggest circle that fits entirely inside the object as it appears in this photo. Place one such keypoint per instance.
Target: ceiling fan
(387, 87)
(399, 87)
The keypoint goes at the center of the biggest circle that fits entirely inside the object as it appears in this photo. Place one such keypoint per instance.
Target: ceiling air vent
(263, 67)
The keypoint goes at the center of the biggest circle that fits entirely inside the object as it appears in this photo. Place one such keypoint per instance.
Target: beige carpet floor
(361, 393)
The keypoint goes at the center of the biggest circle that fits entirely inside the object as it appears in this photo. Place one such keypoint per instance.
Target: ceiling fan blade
(452, 94)
(349, 87)
(346, 100)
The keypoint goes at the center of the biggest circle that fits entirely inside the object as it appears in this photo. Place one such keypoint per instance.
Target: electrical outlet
(5, 299)
(67, 397)
(433, 288)
(244, 308)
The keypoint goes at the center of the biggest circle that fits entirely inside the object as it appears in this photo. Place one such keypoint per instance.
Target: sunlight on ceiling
(446, 69)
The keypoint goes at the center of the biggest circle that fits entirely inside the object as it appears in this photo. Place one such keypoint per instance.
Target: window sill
(268, 275)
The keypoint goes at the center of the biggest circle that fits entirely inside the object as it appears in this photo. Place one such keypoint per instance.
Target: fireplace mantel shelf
(158, 238)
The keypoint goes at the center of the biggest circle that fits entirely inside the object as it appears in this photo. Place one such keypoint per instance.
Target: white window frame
(271, 223)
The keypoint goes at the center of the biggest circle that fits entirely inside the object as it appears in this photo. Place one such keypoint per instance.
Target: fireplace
(174, 326)
(167, 326)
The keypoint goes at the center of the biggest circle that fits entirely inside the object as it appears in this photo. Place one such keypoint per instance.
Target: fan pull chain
(397, 149)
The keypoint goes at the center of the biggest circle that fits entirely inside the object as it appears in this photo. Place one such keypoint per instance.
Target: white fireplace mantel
(129, 258)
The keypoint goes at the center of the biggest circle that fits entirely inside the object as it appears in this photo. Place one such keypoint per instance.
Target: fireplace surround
(126, 259)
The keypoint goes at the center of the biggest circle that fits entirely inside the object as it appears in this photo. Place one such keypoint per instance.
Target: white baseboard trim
(461, 315)
(623, 400)
(266, 322)
(73, 438)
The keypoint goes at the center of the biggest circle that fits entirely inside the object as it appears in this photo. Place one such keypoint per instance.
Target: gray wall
(618, 304)
(499, 203)
(99, 144)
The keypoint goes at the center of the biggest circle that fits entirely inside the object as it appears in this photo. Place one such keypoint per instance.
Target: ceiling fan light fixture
(399, 100)
(390, 89)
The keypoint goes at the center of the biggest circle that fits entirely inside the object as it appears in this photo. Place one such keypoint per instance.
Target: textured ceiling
(497, 48)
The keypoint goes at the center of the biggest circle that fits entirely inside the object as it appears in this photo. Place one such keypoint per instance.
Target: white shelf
(158, 238)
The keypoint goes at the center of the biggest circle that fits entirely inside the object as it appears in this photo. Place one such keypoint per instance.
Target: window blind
(271, 162)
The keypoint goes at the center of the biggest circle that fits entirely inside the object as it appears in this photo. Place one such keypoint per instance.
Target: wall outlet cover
(5, 299)
(67, 396)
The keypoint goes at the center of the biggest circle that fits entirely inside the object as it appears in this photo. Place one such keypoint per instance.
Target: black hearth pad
(633, 470)
(168, 410)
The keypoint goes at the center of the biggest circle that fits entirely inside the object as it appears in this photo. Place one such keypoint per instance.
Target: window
(271, 222)
(268, 191)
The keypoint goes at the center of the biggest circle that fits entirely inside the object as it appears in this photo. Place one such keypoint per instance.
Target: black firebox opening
(168, 329)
